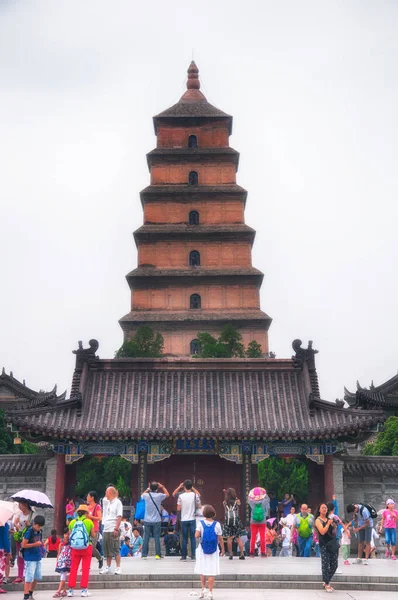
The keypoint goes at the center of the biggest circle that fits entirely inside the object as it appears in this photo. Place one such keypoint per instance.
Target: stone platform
(253, 573)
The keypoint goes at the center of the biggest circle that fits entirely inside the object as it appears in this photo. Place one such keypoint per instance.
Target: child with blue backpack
(209, 532)
(80, 539)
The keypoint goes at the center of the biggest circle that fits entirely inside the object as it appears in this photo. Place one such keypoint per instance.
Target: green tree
(232, 339)
(146, 343)
(95, 474)
(210, 347)
(7, 445)
(386, 442)
(284, 476)
(254, 350)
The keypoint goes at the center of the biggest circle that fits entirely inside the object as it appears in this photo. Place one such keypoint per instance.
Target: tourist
(287, 503)
(138, 525)
(153, 497)
(303, 523)
(22, 522)
(273, 504)
(64, 561)
(171, 543)
(187, 504)
(125, 549)
(52, 544)
(364, 529)
(259, 504)
(125, 530)
(136, 543)
(5, 552)
(328, 543)
(95, 514)
(291, 517)
(70, 508)
(81, 537)
(346, 542)
(389, 524)
(233, 528)
(285, 539)
(270, 538)
(111, 518)
(33, 548)
(209, 532)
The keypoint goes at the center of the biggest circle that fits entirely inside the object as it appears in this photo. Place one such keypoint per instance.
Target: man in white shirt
(112, 513)
(188, 502)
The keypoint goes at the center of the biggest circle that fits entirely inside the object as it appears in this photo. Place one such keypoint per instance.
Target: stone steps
(243, 581)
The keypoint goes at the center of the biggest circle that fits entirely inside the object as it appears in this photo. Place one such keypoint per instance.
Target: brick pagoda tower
(195, 268)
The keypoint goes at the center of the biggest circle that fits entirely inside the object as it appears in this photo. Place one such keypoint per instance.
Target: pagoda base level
(178, 336)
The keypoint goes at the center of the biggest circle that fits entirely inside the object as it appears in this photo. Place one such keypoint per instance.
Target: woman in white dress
(209, 532)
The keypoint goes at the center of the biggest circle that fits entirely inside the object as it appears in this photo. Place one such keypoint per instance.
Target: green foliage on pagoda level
(284, 476)
(386, 442)
(146, 343)
(7, 445)
(96, 473)
(228, 345)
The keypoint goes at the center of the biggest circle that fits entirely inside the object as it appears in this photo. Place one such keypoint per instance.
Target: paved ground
(222, 594)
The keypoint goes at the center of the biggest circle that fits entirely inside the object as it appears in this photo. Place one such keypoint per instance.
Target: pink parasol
(271, 521)
(7, 510)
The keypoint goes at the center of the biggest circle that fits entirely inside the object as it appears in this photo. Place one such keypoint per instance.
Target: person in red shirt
(95, 514)
(52, 544)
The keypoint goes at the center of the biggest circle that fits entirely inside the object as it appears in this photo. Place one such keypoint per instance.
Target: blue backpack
(139, 510)
(209, 538)
(79, 536)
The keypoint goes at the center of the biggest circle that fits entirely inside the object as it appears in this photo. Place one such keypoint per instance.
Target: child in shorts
(33, 551)
(389, 523)
(64, 560)
(346, 541)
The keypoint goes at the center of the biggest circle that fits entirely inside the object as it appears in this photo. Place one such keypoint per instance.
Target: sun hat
(83, 507)
(257, 493)
(389, 501)
(283, 522)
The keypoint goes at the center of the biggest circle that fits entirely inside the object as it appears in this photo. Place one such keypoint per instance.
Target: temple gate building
(180, 416)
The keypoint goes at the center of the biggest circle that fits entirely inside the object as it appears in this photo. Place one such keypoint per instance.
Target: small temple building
(384, 396)
(181, 416)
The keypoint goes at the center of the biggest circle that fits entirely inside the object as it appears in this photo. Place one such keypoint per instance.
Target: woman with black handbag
(328, 543)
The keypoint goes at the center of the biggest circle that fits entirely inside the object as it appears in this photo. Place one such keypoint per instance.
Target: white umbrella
(33, 498)
(7, 510)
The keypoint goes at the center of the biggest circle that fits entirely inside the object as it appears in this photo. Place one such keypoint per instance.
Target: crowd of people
(99, 529)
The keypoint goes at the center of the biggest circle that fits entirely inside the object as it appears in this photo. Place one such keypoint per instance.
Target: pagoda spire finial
(193, 82)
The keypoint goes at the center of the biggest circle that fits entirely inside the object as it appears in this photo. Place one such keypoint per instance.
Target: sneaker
(85, 593)
(347, 562)
(101, 563)
(105, 571)
(365, 561)
(5, 581)
(18, 580)
(393, 557)
(242, 557)
(118, 571)
(231, 557)
(387, 553)
(5, 591)
(182, 558)
(144, 558)
(193, 558)
(158, 557)
(70, 593)
(203, 593)
(357, 561)
(210, 596)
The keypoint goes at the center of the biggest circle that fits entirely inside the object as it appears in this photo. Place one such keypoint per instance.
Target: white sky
(313, 88)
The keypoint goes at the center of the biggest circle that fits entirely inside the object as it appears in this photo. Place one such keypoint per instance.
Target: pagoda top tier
(192, 104)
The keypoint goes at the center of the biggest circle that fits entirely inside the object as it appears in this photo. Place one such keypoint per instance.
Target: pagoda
(195, 270)
(182, 416)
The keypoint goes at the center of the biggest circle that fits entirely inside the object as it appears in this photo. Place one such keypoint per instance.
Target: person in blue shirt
(364, 530)
(33, 551)
(136, 543)
(287, 503)
(125, 550)
(5, 551)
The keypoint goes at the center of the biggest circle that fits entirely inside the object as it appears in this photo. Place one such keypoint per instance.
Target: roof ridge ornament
(86, 354)
(303, 354)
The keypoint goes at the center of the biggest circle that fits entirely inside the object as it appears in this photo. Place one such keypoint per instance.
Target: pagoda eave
(145, 275)
(181, 231)
(160, 156)
(188, 318)
(189, 193)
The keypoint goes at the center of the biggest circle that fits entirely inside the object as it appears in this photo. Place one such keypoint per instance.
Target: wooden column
(59, 504)
(329, 483)
(247, 481)
(142, 472)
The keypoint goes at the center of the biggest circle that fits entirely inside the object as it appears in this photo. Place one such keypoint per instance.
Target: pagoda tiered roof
(149, 232)
(145, 272)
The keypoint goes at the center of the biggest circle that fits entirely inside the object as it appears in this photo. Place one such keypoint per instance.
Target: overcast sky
(313, 89)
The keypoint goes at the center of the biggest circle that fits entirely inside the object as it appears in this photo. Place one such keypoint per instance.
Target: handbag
(139, 510)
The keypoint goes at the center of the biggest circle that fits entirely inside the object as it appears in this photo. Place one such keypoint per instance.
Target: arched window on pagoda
(193, 178)
(194, 258)
(195, 301)
(194, 347)
(194, 217)
(192, 141)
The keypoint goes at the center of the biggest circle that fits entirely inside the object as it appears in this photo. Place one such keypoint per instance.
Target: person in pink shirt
(389, 523)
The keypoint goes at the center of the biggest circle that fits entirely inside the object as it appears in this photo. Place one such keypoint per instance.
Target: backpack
(172, 545)
(230, 515)
(139, 510)
(209, 541)
(258, 513)
(305, 527)
(79, 536)
(19, 535)
(371, 509)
